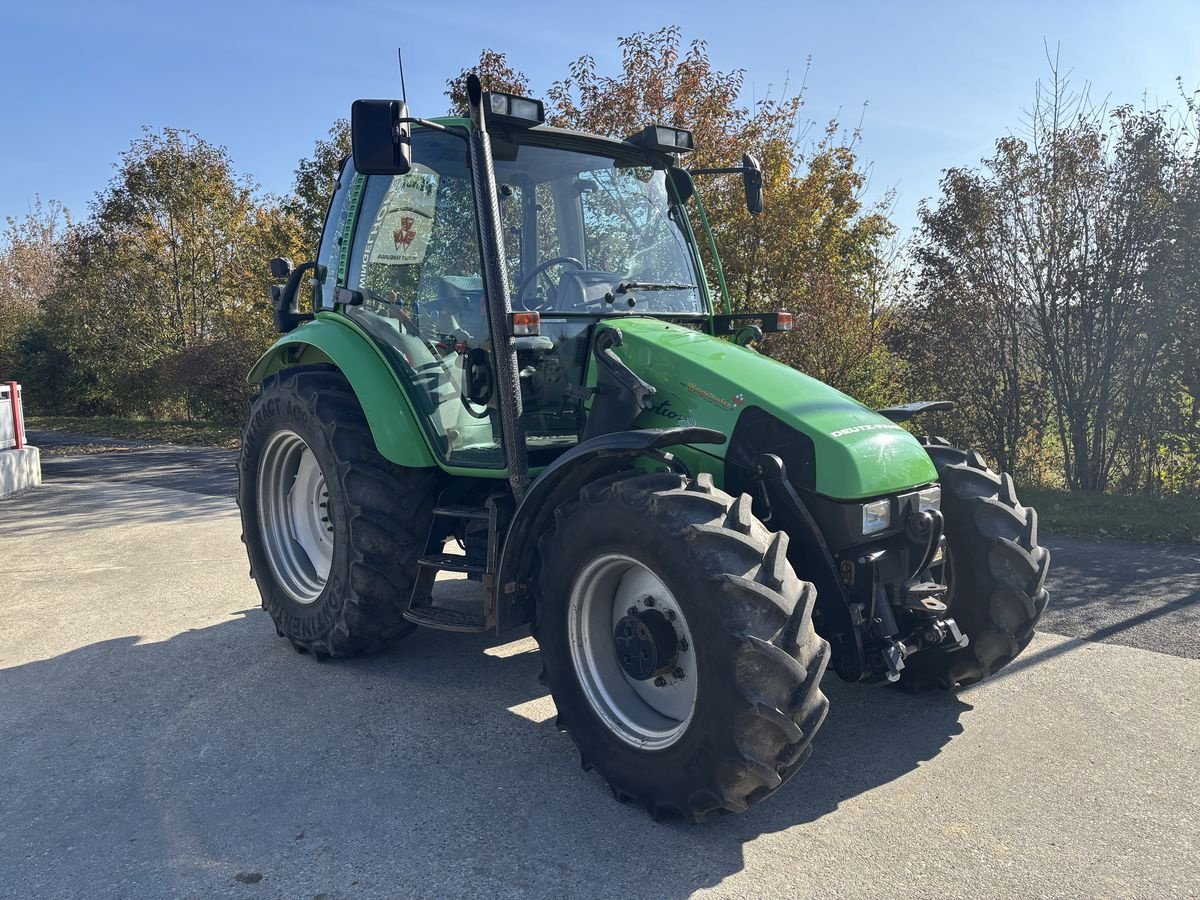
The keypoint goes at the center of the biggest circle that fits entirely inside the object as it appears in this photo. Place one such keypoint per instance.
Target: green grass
(1135, 518)
(202, 434)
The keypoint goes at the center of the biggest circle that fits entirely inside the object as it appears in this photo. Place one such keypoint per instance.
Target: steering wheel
(539, 269)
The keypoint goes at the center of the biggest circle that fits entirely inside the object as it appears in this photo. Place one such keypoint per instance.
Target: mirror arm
(728, 170)
(425, 123)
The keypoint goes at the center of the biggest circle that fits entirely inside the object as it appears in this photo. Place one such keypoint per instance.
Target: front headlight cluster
(877, 515)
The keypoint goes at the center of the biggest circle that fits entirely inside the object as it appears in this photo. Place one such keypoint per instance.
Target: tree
(316, 178)
(172, 259)
(967, 338)
(1054, 265)
(494, 73)
(30, 251)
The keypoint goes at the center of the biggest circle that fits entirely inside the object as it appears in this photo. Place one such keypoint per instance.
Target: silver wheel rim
(647, 714)
(293, 516)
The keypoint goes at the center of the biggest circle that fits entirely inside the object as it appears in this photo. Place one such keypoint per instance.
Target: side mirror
(281, 268)
(752, 177)
(283, 299)
(380, 137)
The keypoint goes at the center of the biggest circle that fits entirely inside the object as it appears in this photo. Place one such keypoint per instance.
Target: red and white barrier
(12, 423)
(20, 464)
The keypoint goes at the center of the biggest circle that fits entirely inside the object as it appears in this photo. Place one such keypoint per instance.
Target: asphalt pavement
(158, 740)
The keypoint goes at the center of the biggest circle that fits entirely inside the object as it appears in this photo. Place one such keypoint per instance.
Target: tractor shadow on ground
(435, 765)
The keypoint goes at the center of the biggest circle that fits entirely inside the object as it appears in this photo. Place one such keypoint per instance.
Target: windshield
(587, 234)
(584, 234)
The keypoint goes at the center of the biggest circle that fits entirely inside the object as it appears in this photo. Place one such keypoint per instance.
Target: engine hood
(710, 382)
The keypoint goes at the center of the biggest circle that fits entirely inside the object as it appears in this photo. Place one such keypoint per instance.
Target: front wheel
(995, 568)
(678, 644)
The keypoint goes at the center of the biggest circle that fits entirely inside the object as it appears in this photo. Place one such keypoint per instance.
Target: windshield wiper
(626, 286)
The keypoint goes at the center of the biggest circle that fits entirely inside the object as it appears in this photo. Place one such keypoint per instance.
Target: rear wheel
(332, 529)
(995, 568)
(678, 644)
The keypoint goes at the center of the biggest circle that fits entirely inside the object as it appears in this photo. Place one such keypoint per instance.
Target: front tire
(997, 571)
(332, 529)
(740, 702)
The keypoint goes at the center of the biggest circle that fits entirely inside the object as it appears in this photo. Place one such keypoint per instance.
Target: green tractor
(515, 368)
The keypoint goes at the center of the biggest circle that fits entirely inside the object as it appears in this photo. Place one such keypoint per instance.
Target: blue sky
(78, 80)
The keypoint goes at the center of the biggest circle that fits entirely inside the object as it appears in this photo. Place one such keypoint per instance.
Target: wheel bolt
(683, 644)
(649, 601)
(671, 615)
(632, 610)
(659, 681)
(678, 673)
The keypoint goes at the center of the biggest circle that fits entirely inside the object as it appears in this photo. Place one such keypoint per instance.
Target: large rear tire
(333, 530)
(734, 715)
(996, 571)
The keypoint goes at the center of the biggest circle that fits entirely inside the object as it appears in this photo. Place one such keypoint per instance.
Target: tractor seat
(457, 304)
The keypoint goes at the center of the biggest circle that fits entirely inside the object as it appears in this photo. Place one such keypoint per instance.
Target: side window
(416, 262)
(415, 244)
(330, 252)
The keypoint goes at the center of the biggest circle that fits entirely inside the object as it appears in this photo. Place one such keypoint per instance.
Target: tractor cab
(590, 228)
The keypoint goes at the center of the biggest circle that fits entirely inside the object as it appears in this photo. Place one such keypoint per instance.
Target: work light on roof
(510, 109)
(664, 138)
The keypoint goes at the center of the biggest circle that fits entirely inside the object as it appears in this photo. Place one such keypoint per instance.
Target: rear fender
(558, 482)
(397, 433)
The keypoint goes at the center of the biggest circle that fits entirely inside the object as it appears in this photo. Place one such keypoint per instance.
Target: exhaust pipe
(499, 305)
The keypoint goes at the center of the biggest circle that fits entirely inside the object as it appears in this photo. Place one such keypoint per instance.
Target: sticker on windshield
(400, 234)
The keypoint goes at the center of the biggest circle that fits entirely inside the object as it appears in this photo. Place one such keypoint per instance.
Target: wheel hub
(632, 651)
(646, 644)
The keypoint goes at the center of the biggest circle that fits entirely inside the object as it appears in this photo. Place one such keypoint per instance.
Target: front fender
(562, 479)
(397, 433)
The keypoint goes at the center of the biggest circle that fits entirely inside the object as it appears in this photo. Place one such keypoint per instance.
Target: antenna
(403, 90)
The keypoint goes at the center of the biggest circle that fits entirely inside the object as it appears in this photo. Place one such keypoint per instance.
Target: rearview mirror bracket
(752, 178)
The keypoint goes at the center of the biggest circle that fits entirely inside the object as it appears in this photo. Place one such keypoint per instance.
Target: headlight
(664, 138)
(877, 516)
(676, 138)
(513, 110)
(930, 498)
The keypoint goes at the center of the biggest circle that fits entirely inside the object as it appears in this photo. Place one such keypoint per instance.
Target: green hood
(708, 381)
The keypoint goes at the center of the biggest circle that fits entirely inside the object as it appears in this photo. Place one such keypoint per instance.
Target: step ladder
(422, 611)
